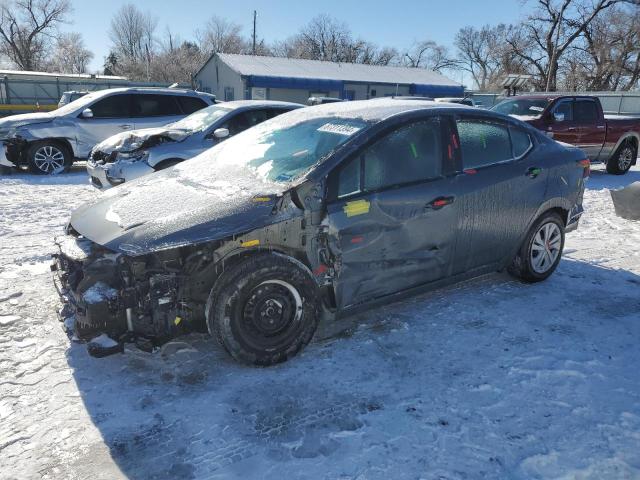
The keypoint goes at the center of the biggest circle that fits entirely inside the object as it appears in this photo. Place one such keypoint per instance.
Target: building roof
(251, 65)
(79, 76)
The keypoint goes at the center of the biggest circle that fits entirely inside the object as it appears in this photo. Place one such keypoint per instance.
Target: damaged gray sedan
(130, 155)
(318, 212)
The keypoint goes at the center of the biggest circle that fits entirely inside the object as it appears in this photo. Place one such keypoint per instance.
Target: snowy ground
(489, 379)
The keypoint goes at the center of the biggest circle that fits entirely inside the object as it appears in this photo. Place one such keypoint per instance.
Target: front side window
(409, 154)
(245, 120)
(483, 142)
(114, 106)
(563, 112)
(148, 105)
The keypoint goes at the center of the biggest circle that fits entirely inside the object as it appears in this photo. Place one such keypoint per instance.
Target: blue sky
(395, 23)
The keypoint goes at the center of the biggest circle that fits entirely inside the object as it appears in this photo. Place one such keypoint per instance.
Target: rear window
(483, 142)
(191, 104)
(152, 105)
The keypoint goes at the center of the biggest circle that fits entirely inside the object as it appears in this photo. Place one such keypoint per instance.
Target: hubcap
(546, 247)
(625, 158)
(273, 308)
(49, 159)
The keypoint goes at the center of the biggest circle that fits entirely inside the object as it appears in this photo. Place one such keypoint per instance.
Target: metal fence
(613, 103)
(20, 95)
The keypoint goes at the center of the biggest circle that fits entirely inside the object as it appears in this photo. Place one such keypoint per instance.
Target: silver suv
(49, 142)
(130, 155)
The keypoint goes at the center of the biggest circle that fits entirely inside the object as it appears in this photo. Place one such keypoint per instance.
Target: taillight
(586, 165)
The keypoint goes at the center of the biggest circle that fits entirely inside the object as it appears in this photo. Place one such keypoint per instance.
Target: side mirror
(558, 117)
(221, 133)
(87, 113)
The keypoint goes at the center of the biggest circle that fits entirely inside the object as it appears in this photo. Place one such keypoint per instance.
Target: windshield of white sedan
(279, 151)
(525, 107)
(202, 119)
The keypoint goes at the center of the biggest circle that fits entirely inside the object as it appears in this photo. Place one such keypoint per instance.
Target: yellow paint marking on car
(357, 207)
(261, 199)
(250, 243)
(177, 321)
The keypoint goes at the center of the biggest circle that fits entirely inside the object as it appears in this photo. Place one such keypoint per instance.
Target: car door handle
(126, 126)
(533, 172)
(438, 203)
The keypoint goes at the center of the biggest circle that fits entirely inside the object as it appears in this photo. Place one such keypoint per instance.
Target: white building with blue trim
(237, 77)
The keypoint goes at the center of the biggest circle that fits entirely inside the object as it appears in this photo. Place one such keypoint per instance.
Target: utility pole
(254, 32)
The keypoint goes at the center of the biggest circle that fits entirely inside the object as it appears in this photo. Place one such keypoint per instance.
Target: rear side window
(114, 106)
(151, 105)
(520, 140)
(585, 111)
(483, 142)
(191, 104)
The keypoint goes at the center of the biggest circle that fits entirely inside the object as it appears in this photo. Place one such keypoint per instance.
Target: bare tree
(428, 54)
(482, 52)
(553, 27)
(28, 28)
(132, 34)
(70, 54)
(326, 38)
(222, 36)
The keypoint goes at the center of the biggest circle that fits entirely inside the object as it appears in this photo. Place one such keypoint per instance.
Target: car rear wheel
(622, 160)
(48, 158)
(264, 309)
(541, 251)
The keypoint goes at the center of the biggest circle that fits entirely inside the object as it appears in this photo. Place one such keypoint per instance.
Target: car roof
(379, 109)
(248, 104)
(165, 91)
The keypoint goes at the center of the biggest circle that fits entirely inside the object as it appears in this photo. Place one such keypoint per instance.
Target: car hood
(176, 207)
(25, 119)
(138, 139)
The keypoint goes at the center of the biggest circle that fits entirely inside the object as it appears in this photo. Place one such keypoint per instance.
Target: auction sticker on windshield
(339, 129)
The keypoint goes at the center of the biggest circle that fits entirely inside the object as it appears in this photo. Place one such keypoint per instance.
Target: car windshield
(202, 119)
(78, 103)
(278, 150)
(522, 106)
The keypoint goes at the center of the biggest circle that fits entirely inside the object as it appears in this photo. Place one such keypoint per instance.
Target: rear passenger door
(154, 110)
(392, 214)
(502, 185)
(591, 126)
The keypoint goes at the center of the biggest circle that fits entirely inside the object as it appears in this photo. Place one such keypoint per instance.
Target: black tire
(264, 309)
(523, 266)
(48, 157)
(621, 161)
(167, 164)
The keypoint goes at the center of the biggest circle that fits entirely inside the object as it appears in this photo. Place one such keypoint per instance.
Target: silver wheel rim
(625, 158)
(545, 248)
(49, 159)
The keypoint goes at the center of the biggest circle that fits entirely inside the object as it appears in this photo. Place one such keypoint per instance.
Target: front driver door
(392, 215)
(111, 115)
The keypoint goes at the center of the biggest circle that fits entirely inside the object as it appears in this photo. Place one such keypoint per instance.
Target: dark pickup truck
(580, 121)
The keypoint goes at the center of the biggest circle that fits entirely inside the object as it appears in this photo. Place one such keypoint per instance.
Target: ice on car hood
(177, 207)
(135, 139)
(25, 119)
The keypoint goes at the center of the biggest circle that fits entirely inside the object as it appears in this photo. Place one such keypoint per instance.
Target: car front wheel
(48, 158)
(540, 253)
(264, 309)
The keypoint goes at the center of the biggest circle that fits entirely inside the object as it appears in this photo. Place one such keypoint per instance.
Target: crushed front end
(110, 298)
